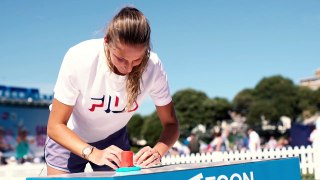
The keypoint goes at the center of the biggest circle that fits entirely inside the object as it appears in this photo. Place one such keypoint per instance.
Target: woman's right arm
(59, 132)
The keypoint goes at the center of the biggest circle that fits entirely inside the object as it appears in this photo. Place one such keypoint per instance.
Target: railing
(23, 96)
(309, 157)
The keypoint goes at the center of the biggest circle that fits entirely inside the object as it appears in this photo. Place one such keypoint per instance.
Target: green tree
(242, 101)
(209, 113)
(151, 129)
(274, 97)
(216, 109)
(135, 126)
(317, 99)
(259, 109)
(189, 109)
(307, 101)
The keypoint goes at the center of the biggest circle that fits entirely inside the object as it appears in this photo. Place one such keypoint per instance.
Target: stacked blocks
(127, 162)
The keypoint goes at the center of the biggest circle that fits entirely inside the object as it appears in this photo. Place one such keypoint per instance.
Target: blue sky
(219, 46)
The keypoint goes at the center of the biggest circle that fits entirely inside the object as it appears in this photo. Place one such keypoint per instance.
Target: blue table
(276, 169)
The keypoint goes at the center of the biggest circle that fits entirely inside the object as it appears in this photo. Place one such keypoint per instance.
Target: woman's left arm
(170, 132)
(148, 156)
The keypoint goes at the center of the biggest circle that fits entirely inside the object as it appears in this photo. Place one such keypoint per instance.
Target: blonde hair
(130, 27)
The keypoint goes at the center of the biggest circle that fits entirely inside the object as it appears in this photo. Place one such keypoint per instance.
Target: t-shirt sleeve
(66, 89)
(160, 92)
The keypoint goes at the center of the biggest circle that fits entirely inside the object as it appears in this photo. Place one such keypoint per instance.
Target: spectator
(272, 143)
(225, 140)
(315, 135)
(174, 151)
(4, 146)
(254, 140)
(282, 142)
(216, 143)
(22, 148)
(194, 144)
(245, 143)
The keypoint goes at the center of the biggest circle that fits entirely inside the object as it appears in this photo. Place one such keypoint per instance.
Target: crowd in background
(14, 147)
(223, 141)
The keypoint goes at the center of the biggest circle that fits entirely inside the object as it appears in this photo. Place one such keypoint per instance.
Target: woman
(101, 84)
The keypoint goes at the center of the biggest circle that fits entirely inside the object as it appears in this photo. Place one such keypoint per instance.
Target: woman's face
(125, 57)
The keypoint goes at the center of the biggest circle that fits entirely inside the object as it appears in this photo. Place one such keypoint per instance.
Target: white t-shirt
(315, 137)
(98, 95)
(254, 141)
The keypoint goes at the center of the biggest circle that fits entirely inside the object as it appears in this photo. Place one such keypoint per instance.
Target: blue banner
(278, 169)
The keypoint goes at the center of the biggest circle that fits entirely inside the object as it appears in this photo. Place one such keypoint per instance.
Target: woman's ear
(106, 40)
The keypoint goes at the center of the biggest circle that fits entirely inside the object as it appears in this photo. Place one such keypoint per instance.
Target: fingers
(116, 151)
(110, 164)
(112, 154)
(137, 158)
(116, 148)
(151, 161)
(112, 158)
(147, 157)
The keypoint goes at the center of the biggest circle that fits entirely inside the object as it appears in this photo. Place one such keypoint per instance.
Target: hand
(106, 156)
(147, 157)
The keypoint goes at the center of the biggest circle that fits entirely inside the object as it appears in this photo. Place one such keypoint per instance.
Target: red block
(126, 159)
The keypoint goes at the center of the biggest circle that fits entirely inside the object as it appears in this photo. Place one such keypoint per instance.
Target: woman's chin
(122, 73)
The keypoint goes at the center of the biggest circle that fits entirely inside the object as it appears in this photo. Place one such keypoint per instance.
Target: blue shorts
(60, 158)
